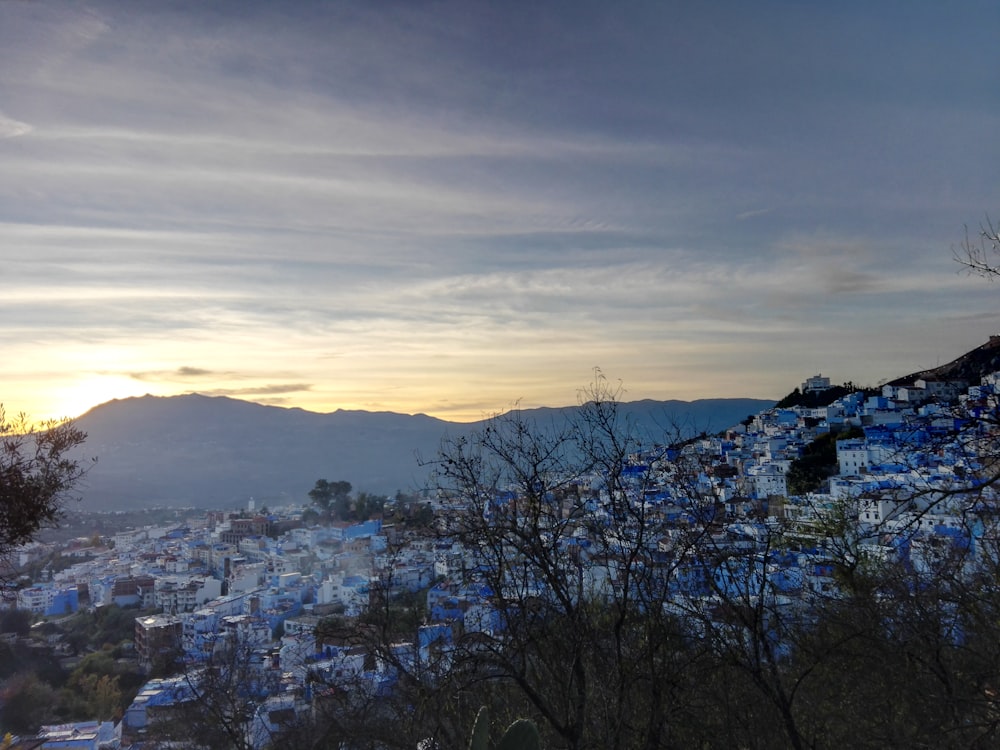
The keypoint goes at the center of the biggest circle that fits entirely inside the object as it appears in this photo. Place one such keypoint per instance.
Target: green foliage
(334, 628)
(37, 690)
(90, 631)
(92, 694)
(422, 516)
(411, 511)
(333, 501)
(368, 506)
(333, 498)
(400, 614)
(36, 476)
(97, 664)
(16, 659)
(26, 702)
(815, 399)
(15, 621)
(818, 462)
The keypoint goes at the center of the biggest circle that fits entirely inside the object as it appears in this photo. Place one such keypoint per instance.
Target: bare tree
(980, 254)
(628, 599)
(567, 544)
(226, 693)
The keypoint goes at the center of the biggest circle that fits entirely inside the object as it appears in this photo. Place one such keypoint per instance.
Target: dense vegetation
(816, 399)
(818, 462)
(92, 675)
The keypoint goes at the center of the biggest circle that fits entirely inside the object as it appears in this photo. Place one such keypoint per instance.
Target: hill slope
(970, 367)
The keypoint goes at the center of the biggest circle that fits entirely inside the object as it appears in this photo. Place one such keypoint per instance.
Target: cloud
(751, 214)
(182, 373)
(846, 281)
(392, 203)
(194, 372)
(11, 128)
(825, 244)
(188, 373)
(264, 390)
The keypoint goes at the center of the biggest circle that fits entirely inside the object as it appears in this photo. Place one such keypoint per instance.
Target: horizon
(450, 209)
(481, 417)
(622, 397)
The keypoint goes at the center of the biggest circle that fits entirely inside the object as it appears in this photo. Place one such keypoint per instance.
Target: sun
(80, 396)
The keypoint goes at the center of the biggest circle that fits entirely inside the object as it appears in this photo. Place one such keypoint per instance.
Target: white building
(816, 383)
(179, 594)
(768, 479)
(852, 456)
(339, 588)
(125, 541)
(943, 390)
(84, 735)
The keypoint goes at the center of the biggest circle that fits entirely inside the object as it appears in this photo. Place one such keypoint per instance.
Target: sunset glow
(448, 209)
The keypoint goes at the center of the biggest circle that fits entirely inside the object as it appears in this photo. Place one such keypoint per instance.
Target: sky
(452, 207)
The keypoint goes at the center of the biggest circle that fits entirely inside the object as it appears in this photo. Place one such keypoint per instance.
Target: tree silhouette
(333, 498)
(37, 476)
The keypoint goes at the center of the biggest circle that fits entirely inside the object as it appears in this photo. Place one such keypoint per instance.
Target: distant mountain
(220, 452)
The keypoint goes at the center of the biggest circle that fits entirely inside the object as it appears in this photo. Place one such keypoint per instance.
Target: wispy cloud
(181, 373)
(444, 209)
(261, 391)
(194, 372)
(11, 128)
(744, 215)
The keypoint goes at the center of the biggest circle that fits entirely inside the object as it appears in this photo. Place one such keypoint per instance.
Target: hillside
(219, 452)
(970, 367)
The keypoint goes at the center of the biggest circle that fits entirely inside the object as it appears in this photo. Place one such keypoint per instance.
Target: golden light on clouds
(379, 215)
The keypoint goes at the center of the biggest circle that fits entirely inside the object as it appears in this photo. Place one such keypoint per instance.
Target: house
(816, 384)
(85, 735)
(768, 479)
(157, 639)
(181, 594)
(240, 528)
(942, 390)
(158, 700)
(133, 591)
(49, 600)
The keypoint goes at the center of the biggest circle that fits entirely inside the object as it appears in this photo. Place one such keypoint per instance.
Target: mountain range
(219, 452)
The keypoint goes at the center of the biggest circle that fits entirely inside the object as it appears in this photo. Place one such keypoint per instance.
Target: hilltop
(971, 366)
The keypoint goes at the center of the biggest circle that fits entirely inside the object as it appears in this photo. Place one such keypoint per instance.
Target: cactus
(521, 735)
(481, 730)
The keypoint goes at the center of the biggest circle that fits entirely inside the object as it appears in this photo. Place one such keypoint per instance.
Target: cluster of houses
(267, 581)
(916, 448)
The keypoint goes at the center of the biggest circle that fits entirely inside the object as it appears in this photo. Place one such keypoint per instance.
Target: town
(277, 597)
